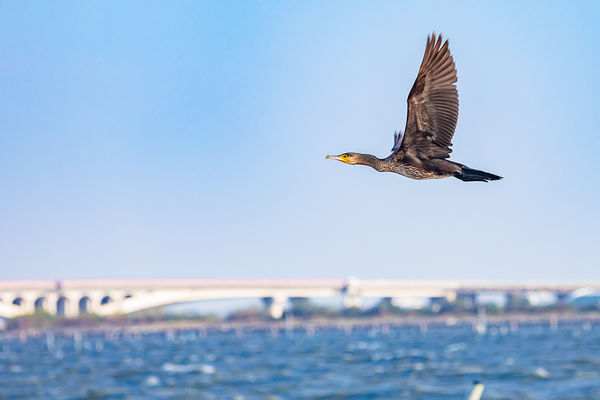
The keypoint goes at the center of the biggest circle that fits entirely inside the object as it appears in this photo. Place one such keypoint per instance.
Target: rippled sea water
(532, 362)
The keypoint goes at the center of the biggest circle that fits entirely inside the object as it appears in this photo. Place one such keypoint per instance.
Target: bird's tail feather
(471, 175)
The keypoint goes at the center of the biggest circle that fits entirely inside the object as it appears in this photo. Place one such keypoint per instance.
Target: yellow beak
(344, 160)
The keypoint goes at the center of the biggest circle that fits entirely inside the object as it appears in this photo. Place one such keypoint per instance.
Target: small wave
(418, 366)
(136, 362)
(381, 356)
(182, 369)
(363, 345)
(415, 353)
(471, 369)
(541, 372)
(454, 347)
(152, 380)
(17, 369)
(586, 375)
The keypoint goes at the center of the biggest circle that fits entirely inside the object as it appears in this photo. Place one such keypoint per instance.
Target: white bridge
(111, 297)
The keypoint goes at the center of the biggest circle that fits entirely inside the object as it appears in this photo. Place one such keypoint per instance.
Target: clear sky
(188, 139)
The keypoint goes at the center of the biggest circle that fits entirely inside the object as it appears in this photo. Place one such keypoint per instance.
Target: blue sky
(154, 140)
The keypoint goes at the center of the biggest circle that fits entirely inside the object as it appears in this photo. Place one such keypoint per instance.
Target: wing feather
(432, 105)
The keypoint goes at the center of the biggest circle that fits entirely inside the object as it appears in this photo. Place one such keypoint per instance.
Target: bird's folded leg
(397, 140)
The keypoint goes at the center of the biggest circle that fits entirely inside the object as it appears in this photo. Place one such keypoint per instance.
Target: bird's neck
(371, 161)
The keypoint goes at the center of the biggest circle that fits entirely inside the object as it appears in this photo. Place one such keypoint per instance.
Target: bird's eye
(344, 155)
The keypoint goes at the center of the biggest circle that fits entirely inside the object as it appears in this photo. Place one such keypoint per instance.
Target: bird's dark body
(432, 113)
(429, 169)
(415, 169)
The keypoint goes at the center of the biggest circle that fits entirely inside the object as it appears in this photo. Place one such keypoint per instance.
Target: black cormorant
(422, 152)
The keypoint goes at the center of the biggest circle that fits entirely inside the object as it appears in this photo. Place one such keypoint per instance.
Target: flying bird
(423, 150)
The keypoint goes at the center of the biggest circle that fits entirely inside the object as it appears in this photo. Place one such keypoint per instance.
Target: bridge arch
(84, 305)
(106, 300)
(18, 301)
(145, 305)
(61, 305)
(39, 304)
(146, 301)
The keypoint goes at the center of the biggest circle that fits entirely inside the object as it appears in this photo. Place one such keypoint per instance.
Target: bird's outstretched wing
(432, 105)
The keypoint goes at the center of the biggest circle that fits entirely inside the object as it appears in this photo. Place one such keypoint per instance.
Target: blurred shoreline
(511, 321)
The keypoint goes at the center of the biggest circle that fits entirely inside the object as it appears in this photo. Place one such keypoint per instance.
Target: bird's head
(348, 158)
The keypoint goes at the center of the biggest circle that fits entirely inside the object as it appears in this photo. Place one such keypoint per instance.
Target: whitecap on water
(381, 356)
(541, 372)
(207, 369)
(362, 345)
(152, 380)
(418, 366)
(182, 369)
(451, 348)
(16, 369)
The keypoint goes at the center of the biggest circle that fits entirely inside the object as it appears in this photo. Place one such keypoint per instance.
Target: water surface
(533, 362)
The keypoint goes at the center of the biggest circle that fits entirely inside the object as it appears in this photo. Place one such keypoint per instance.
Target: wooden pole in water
(477, 391)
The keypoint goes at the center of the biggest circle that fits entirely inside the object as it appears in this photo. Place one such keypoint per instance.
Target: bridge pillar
(467, 300)
(275, 305)
(352, 301)
(562, 297)
(94, 305)
(72, 308)
(352, 298)
(28, 305)
(451, 296)
(562, 300)
(515, 301)
(50, 303)
(437, 303)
